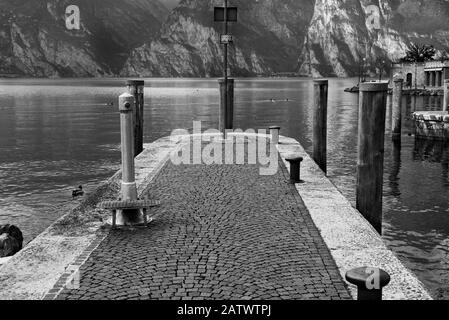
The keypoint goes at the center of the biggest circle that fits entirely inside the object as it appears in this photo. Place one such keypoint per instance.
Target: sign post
(225, 14)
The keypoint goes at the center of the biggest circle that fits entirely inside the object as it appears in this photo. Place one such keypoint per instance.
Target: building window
(409, 80)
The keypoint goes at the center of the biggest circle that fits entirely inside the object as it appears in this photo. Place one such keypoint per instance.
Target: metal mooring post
(295, 168)
(369, 282)
(127, 107)
(129, 210)
(136, 89)
(370, 163)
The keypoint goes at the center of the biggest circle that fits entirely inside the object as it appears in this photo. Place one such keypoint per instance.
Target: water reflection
(395, 168)
(430, 150)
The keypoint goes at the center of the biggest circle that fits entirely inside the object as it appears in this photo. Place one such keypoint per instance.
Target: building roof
(437, 64)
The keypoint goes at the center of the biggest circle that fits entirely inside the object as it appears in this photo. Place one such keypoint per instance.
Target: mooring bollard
(136, 89)
(370, 163)
(369, 282)
(274, 134)
(295, 168)
(129, 210)
(127, 107)
(397, 109)
(320, 123)
(226, 105)
(446, 95)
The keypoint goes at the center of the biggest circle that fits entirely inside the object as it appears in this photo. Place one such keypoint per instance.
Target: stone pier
(222, 231)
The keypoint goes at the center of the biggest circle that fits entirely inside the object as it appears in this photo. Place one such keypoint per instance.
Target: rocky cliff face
(34, 39)
(341, 34)
(268, 38)
(316, 37)
(142, 38)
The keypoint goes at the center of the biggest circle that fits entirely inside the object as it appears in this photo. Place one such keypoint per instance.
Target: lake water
(58, 134)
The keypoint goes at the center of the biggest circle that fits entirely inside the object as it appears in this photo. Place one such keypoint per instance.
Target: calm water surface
(58, 134)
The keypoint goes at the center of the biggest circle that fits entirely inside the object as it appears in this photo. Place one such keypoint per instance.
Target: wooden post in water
(320, 123)
(136, 89)
(226, 105)
(397, 109)
(446, 95)
(372, 110)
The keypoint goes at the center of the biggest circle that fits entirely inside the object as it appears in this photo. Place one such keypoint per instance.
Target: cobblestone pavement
(222, 232)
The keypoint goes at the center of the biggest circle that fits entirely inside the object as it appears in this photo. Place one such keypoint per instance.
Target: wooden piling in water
(446, 95)
(371, 137)
(397, 109)
(226, 105)
(136, 89)
(320, 123)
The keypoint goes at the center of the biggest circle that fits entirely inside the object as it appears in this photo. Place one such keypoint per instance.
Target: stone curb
(40, 269)
(352, 241)
(48, 262)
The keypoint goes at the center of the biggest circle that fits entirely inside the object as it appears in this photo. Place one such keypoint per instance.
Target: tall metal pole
(225, 31)
(226, 111)
(225, 63)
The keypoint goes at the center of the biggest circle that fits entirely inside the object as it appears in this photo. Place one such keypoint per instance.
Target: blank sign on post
(219, 14)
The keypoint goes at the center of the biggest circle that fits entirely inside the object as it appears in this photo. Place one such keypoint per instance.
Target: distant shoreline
(17, 76)
(9, 76)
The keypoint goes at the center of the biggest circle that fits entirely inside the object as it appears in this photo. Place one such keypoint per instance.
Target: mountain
(34, 39)
(311, 37)
(178, 38)
(340, 34)
(268, 38)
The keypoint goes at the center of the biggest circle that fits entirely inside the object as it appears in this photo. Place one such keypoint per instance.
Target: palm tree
(419, 53)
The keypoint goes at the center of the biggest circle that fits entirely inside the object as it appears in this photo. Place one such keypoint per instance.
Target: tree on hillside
(419, 53)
